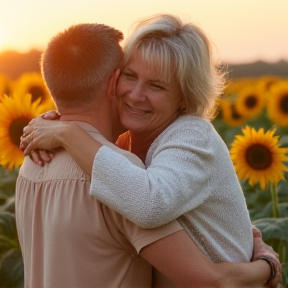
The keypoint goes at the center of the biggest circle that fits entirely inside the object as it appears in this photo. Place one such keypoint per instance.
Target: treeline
(13, 64)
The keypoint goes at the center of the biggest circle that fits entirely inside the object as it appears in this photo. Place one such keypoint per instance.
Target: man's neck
(102, 124)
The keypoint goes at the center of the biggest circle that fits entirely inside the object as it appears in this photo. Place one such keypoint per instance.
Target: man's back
(68, 238)
(64, 232)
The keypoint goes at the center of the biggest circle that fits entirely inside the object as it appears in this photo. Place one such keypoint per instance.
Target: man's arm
(178, 258)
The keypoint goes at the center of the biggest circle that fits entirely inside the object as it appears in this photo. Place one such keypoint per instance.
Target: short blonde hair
(182, 52)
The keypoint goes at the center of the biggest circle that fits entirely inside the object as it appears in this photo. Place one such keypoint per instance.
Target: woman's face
(145, 102)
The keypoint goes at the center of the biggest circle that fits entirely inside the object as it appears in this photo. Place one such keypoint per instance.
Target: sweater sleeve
(171, 186)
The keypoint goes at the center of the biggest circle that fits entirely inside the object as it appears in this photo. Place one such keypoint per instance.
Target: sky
(242, 30)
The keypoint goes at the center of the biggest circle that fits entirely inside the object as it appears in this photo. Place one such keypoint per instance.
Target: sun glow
(4, 40)
(1, 39)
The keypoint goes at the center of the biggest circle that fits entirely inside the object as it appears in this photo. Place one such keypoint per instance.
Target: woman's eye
(158, 87)
(129, 76)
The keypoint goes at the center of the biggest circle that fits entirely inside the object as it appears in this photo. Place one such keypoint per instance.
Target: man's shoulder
(135, 237)
(61, 167)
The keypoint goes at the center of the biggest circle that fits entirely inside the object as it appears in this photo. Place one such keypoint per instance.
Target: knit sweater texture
(190, 177)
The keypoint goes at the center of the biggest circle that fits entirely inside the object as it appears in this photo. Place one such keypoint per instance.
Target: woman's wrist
(67, 133)
(272, 265)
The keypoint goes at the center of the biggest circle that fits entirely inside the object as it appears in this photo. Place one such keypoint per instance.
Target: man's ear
(112, 85)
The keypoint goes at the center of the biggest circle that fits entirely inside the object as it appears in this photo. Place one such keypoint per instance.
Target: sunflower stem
(282, 251)
(274, 196)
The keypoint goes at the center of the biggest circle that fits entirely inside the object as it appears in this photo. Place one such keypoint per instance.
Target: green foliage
(274, 230)
(10, 252)
(11, 263)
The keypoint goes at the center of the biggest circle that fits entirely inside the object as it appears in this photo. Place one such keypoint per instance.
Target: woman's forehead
(149, 61)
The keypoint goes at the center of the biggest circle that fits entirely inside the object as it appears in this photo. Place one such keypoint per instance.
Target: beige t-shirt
(68, 238)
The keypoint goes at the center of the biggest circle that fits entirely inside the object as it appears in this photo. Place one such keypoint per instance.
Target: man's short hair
(78, 60)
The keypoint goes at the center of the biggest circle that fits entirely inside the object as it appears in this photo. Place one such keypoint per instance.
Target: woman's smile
(135, 110)
(146, 102)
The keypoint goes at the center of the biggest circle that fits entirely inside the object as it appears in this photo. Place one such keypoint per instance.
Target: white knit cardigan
(190, 177)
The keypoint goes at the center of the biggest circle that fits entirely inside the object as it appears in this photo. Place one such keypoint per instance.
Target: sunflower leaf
(261, 211)
(9, 205)
(283, 210)
(7, 182)
(12, 269)
(273, 228)
(283, 141)
(8, 226)
(282, 189)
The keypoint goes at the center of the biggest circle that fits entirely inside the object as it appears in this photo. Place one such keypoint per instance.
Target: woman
(166, 96)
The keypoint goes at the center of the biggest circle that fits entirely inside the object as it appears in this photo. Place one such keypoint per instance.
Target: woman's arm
(48, 135)
(146, 197)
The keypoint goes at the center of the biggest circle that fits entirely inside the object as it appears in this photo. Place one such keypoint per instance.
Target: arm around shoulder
(159, 194)
(49, 134)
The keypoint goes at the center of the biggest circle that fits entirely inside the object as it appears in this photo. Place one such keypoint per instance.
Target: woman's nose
(137, 93)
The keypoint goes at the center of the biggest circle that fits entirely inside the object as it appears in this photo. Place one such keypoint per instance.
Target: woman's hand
(263, 251)
(42, 134)
(38, 156)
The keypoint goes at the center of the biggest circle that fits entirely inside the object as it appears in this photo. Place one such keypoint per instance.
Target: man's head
(78, 60)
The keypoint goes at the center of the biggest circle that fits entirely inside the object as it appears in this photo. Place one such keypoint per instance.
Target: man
(68, 238)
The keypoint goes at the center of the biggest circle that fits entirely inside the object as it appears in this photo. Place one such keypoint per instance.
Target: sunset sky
(243, 30)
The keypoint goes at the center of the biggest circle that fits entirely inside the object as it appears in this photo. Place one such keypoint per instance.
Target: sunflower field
(20, 101)
(252, 119)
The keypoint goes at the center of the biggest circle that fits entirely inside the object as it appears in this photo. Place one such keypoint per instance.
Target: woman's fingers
(27, 130)
(39, 157)
(26, 139)
(35, 157)
(51, 115)
(256, 232)
(45, 155)
(29, 143)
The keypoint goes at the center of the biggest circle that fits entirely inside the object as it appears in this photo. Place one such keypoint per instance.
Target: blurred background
(250, 37)
(244, 31)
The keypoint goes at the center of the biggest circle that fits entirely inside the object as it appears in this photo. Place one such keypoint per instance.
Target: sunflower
(230, 114)
(32, 83)
(278, 103)
(15, 113)
(6, 85)
(235, 86)
(265, 83)
(257, 156)
(250, 101)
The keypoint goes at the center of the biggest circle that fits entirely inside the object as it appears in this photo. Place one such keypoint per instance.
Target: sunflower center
(7, 91)
(284, 104)
(16, 129)
(234, 114)
(258, 157)
(250, 101)
(36, 92)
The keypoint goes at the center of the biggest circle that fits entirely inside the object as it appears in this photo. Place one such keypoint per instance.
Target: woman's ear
(182, 106)
(112, 84)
